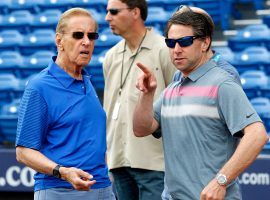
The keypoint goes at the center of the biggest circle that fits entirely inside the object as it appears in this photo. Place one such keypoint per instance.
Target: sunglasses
(183, 41)
(79, 35)
(115, 11)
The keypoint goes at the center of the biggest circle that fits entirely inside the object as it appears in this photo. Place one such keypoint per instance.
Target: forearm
(248, 149)
(143, 121)
(34, 159)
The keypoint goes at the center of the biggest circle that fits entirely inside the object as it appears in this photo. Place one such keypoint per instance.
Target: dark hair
(141, 4)
(201, 24)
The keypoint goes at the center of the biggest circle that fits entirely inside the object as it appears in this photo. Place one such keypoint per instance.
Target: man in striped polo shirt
(210, 131)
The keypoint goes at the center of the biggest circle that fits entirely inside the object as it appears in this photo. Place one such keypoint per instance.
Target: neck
(135, 37)
(73, 71)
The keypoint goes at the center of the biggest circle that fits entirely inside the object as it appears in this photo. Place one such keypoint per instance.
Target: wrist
(56, 171)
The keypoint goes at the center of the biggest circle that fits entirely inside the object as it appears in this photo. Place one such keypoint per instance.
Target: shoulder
(39, 81)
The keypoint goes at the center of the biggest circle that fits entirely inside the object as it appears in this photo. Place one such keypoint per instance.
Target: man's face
(119, 17)
(78, 51)
(188, 58)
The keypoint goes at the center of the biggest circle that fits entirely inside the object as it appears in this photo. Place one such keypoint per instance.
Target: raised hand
(146, 81)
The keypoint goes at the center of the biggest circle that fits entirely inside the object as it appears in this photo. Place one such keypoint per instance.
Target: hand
(146, 82)
(213, 191)
(78, 178)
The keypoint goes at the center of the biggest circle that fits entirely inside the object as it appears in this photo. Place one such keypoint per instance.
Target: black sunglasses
(183, 41)
(115, 11)
(79, 35)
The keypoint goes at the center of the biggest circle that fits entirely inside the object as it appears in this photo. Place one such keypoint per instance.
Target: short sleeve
(32, 120)
(157, 108)
(235, 108)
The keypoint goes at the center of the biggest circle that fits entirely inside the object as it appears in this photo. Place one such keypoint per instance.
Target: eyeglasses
(183, 41)
(79, 35)
(115, 11)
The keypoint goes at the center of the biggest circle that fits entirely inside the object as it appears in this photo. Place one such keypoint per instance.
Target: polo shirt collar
(202, 70)
(60, 75)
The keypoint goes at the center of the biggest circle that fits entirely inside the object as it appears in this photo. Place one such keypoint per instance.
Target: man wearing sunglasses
(62, 127)
(138, 174)
(202, 117)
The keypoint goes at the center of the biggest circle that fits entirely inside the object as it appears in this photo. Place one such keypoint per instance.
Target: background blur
(27, 29)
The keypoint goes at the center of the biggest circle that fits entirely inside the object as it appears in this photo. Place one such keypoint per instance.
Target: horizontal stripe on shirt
(190, 110)
(193, 91)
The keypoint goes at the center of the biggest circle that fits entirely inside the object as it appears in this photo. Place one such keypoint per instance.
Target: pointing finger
(143, 68)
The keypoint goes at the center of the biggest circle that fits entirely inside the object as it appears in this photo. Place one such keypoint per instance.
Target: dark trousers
(138, 184)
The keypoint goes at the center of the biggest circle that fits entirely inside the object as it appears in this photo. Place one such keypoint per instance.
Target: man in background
(137, 173)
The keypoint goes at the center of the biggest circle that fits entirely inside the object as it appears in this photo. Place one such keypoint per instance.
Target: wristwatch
(221, 179)
(56, 172)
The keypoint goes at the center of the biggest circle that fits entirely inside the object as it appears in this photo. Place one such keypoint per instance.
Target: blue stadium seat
(99, 17)
(41, 39)
(154, 3)
(25, 5)
(4, 6)
(218, 9)
(99, 5)
(96, 71)
(10, 40)
(157, 17)
(10, 61)
(8, 121)
(19, 20)
(252, 58)
(252, 35)
(253, 82)
(106, 40)
(47, 19)
(35, 63)
(226, 53)
(262, 106)
(63, 5)
(9, 85)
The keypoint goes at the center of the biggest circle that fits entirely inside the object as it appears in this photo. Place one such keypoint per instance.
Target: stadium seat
(226, 53)
(10, 61)
(9, 85)
(252, 35)
(4, 6)
(19, 20)
(157, 17)
(10, 40)
(95, 70)
(106, 40)
(153, 3)
(99, 17)
(41, 39)
(25, 5)
(63, 5)
(8, 121)
(253, 82)
(99, 5)
(35, 63)
(47, 19)
(262, 106)
(252, 58)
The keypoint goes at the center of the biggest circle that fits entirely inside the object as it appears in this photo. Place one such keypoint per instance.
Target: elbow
(19, 154)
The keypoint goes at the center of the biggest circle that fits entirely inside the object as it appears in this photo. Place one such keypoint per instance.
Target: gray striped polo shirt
(199, 117)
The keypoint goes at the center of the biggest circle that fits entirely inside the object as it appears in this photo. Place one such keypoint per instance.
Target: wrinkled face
(120, 17)
(188, 58)
(77, 51)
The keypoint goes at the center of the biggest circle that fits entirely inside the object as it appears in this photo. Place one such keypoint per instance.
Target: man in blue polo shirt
(61, 129)
(201, 117)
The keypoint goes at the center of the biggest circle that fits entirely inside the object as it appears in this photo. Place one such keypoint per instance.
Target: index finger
(143, 68)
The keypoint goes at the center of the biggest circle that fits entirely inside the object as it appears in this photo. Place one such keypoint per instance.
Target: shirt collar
(147, 43)
(60, 75)
(202, 70)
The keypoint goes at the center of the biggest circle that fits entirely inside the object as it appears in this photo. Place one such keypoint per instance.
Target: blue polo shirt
(63, 119)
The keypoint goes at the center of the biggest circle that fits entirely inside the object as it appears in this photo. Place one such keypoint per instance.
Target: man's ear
(58, 41)
(206, 43)
(136, 12)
